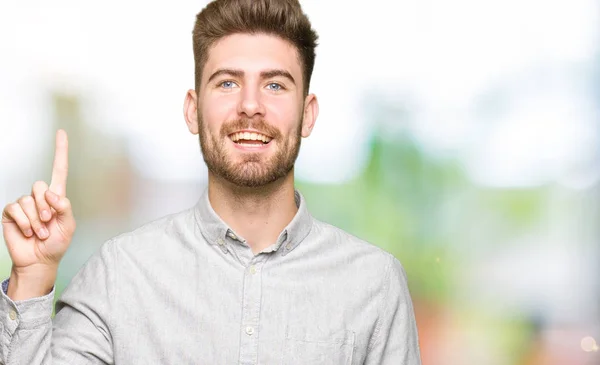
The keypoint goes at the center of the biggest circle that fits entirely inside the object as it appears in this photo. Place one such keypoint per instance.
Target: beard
(254, 170)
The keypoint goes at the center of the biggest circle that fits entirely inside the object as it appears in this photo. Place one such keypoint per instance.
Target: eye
(274, 86)
(227, 84)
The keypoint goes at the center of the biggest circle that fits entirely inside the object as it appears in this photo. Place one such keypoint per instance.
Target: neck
(256, 214)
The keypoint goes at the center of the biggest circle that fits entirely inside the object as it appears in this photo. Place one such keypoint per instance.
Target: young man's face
(251, 109)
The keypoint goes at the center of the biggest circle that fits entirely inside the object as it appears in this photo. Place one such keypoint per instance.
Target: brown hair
(282, 18)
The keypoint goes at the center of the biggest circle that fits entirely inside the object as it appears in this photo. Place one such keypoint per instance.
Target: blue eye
(274, 86)
(227, 84)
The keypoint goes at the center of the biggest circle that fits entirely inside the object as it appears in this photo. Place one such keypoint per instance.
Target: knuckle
(14, 212)
(13, 208)
(10, 206)
(6, 212)
(39, 186)
(25, 200)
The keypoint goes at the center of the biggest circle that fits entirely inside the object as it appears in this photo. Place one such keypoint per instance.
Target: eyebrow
(263, 75)
(277, 72)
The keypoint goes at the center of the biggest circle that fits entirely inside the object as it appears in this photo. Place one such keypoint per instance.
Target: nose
(250, 103)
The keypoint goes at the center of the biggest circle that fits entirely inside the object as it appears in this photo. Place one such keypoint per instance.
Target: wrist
(31, 283)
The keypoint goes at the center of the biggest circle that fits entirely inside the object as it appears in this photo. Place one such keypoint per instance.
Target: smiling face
(250, 110)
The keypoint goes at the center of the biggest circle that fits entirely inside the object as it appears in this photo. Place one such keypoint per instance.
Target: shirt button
(288, 246)
(252, 269)
(220, 242)
(249, 330)
(12, 315)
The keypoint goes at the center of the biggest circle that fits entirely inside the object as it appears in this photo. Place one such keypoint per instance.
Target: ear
(311, 111)
(190, 111)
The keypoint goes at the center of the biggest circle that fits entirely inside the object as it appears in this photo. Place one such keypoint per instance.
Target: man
(246, 276)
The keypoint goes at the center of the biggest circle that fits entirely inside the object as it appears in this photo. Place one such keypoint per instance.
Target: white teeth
(250, 136)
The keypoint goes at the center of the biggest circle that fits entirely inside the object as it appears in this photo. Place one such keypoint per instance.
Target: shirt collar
(215, 230)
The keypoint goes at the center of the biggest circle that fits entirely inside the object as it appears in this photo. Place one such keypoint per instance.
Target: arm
(80, 331)
(38, 229)
(29, 319)
(395, 339)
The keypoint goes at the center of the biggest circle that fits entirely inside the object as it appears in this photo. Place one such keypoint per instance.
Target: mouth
(250, 139)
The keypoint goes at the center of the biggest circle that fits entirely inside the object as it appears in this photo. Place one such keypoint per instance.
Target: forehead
(253, 53)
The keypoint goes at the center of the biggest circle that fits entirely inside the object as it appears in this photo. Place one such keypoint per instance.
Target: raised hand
(38, 229)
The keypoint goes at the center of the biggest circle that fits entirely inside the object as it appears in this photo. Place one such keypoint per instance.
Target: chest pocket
(302, 347)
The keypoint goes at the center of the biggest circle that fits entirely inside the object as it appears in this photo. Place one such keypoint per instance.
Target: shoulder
(155, 234)
(358, 252)
(339, 238)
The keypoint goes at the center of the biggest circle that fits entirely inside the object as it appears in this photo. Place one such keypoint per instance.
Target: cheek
(284, 113)
(217, 111)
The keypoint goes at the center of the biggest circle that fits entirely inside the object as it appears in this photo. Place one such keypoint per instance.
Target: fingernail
(28, 233)
(45, 215)
(43, 232)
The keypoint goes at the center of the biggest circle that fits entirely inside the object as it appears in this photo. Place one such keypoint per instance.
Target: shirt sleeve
(395, 339)
(80, 331)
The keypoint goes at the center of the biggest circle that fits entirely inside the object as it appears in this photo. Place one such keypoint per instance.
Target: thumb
(64, 212)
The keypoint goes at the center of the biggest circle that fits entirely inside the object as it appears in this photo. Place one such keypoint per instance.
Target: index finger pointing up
(60, 169)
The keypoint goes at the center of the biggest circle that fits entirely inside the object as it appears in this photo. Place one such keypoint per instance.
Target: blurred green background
(460, 136)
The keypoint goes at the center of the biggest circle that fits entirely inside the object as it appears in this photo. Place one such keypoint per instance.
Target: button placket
(251, 310)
